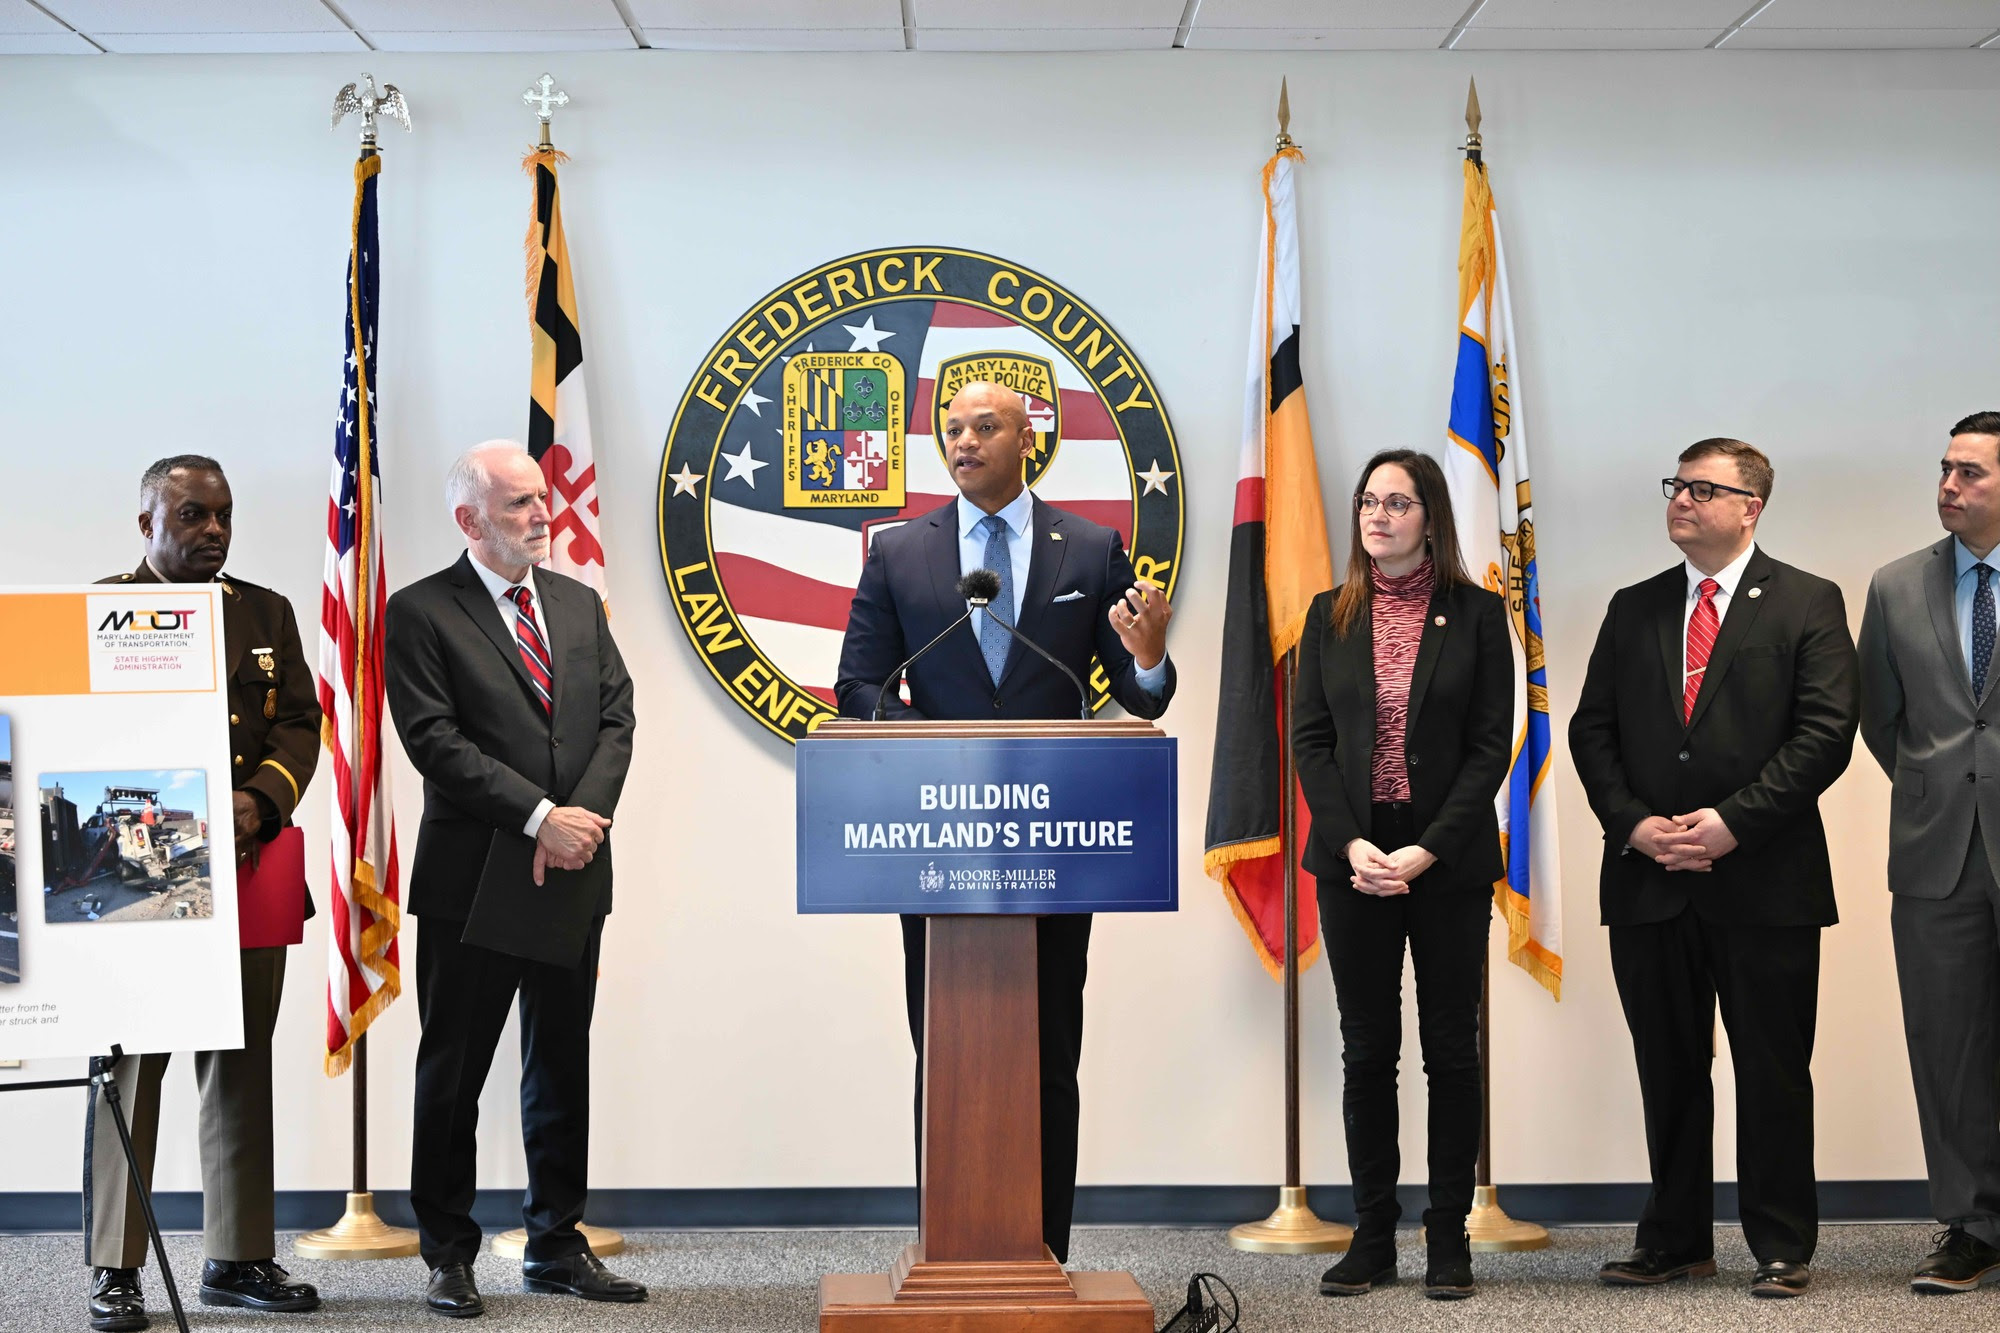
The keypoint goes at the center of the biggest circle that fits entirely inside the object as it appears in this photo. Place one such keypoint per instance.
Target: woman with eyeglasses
(1401, 726)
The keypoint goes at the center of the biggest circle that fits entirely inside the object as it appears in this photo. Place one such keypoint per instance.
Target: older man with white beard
(513, 703)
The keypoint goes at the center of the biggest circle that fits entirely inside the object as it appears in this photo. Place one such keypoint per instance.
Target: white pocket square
(1076, 596)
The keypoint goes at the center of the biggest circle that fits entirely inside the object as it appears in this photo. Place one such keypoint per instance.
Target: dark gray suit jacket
(1936, 737)
(471, 725)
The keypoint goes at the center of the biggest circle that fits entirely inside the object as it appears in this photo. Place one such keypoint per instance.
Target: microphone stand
(1083, 696)
(882, 695)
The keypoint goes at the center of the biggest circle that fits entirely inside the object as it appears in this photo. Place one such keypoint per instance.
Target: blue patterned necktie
(1982, 627)
(994, 640)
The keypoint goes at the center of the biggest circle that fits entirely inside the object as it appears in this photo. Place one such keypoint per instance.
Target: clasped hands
(1684, 842)
(568, 838)
(1385, 874)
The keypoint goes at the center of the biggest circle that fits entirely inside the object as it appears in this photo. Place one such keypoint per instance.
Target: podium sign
(991, 825)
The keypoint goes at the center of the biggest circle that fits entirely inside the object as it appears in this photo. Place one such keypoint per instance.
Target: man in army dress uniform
(274, 722)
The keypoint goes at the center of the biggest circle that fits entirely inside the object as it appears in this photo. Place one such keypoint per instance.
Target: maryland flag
(1278, 561)
(1486, 466)
(558, 416)
(363, 975)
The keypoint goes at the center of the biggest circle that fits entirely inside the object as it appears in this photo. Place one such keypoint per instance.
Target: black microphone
(982, 593)
(977, 588)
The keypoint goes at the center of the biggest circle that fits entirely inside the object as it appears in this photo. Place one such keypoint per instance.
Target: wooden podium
(979, 1264)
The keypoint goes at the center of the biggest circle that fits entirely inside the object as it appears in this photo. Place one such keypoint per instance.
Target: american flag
(363, 976)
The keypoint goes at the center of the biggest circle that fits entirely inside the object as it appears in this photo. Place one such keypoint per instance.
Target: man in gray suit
(1927, 712)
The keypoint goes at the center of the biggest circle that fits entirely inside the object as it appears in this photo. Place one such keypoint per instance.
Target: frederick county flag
(1486, 464)
(363, 974)
(1278, 561)
(558, 416)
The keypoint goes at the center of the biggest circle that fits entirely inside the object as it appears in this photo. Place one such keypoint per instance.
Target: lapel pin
(1438, 621)
(1055, 536)
(1756, 592)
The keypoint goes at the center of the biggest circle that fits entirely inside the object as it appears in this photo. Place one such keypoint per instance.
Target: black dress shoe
(1960, 1262)
(115, 1303)
(453, 1293)
(1649, 1268)
(1781, 1278)
(1370, 1262)
(579, 1275)
(1448, 1270)
(259, 1284)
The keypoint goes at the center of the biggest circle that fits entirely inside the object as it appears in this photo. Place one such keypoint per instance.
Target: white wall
(1795, 249)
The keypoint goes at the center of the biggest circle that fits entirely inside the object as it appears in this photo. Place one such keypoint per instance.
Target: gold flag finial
(1284, 114)
(1472, 143)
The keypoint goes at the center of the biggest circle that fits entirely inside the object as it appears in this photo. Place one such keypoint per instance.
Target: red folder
(271, 897)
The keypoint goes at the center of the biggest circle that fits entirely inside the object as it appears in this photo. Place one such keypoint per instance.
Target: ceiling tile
(776, 39)
(61, 42)
(1586, 39)
(18, 17)
(1904, 15)
(541, 39)
(1853, 39)
(1045, 39)
(738, 15)
(501, 16)
(192, 16)
(1611, 15)
(1329, 15)
(1208, 38)
(1023, 16)
(226, 43)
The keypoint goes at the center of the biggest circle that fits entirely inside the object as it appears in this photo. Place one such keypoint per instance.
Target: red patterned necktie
(534, 648)
(1702, 626)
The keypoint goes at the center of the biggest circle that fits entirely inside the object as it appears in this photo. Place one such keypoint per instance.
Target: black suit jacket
(1772, 728)
(471, 725)
(907, 596)
(1457, 746)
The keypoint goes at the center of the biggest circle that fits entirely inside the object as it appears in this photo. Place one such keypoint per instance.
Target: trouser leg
(556, 1008)
(238, 1209)
(914, 936)
(1669, 1001)
(1062, 963)
(1767, 980)
(1948, 970)
(1364, 950)
(463, 995)
(1448, 926)
(116, 1224)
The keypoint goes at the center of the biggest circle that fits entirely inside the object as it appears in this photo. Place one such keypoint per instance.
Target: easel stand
(100, 1078)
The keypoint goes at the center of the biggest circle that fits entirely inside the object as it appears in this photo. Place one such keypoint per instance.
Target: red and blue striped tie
(534, 648)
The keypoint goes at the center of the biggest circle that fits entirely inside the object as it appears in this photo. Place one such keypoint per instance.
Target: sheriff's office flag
(1278, 561)
(558, 417)
(1486, 464)
(363, 974)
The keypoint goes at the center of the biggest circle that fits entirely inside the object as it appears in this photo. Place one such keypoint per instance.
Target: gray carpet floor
(764, 1282)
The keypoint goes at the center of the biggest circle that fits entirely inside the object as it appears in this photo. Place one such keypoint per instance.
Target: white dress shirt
(1018, 514)
(503, 594)
(1726, 580)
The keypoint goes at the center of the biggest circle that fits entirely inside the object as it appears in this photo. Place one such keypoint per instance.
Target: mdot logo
(814, 425)
(143, 643)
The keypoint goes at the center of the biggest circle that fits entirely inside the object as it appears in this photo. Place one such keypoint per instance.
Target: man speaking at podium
(1066, 584)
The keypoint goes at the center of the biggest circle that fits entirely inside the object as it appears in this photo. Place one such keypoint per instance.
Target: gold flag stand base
(359, 1234)
(1491, 1231)
(603, 1241)
(1293, 1229)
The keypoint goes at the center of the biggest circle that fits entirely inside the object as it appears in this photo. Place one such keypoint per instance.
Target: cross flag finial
(545, 97)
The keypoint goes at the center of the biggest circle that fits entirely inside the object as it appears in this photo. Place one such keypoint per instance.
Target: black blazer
(907, 596)
(471, 725)
(1458, 742)
(1772, 728)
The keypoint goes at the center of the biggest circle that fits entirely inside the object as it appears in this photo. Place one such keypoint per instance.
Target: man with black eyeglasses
(1927, 705)
(1720, 701)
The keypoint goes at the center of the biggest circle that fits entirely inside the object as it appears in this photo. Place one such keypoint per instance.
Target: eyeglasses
(1703, 491)
(1397, 505)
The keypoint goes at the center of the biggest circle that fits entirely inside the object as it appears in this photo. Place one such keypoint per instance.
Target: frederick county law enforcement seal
(813, 425)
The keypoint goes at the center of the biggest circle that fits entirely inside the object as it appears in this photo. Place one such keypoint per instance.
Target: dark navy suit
(906, 598)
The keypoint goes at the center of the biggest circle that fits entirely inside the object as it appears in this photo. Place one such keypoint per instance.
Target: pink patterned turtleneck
(1398, 609)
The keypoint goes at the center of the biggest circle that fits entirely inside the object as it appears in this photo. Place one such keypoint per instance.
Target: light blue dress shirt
(1963, 586)
(1019, 516)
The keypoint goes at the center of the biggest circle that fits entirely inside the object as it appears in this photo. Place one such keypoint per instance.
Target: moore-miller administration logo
(814, 424)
